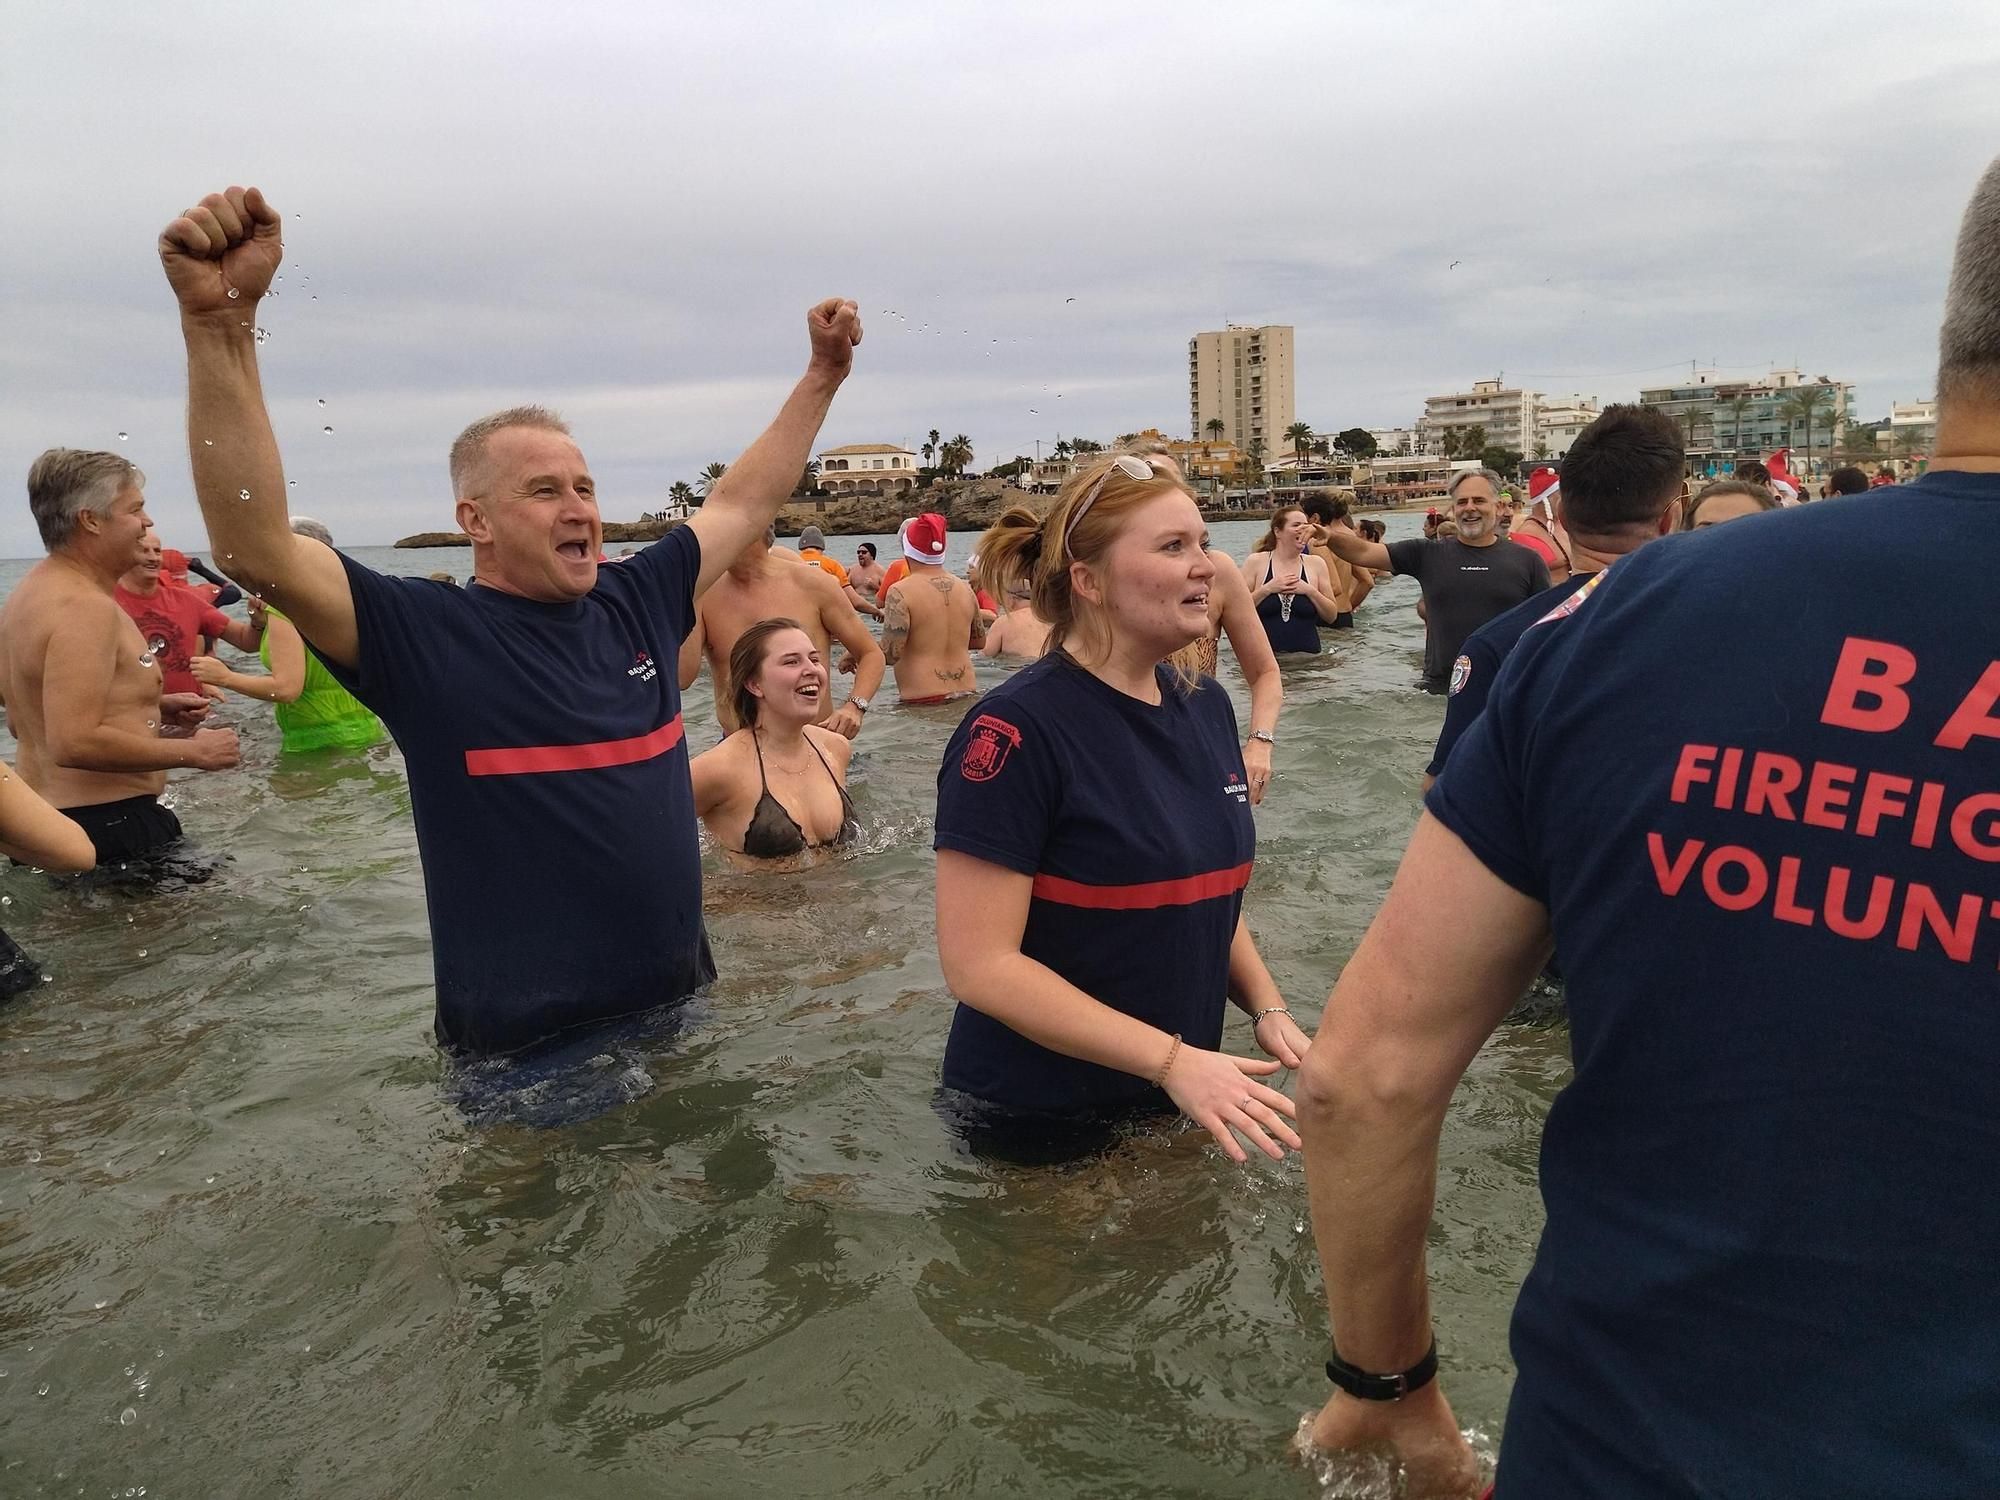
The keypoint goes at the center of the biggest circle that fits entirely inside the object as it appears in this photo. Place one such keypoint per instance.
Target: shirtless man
(82, 689)
(760, 585)
(812, 550)
(1325, 511)
(866, 574)
(930, 621)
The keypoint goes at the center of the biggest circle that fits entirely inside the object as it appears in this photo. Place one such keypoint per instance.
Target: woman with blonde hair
(1094, 838)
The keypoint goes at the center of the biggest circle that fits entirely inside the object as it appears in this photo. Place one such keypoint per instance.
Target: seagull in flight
(1452, 267)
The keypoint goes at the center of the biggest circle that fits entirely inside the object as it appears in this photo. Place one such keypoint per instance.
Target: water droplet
(234, 294)
(315, 296)
(327, 430)
(33, 1155)
(145, 659)
(6, 900)
(242, 494)
(42, 1389)
(142, 954)
(322, 401)
(209, 1178)
(263, 335)
(124, 437)
(291, 484)
(46, 979)
(125, 1419)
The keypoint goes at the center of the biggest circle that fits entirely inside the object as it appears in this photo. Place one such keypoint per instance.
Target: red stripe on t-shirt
(531, 758)
(1143, 897)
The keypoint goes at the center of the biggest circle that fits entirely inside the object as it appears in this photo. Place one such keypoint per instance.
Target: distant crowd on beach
(1717, 760)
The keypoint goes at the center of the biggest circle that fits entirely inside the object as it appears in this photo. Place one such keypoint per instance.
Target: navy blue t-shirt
(1765, 819)
(1479, 662)
(1135, 822)
(549, 779)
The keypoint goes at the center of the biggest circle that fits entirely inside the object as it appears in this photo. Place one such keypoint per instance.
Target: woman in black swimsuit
(777, 786)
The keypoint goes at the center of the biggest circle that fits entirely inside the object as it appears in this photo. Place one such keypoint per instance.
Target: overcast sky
(623, 210)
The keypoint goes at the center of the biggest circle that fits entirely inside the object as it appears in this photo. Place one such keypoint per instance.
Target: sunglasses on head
(1124, 463)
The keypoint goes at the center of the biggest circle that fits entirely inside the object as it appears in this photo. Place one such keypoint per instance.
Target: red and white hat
(1542, 487)
(923, 538)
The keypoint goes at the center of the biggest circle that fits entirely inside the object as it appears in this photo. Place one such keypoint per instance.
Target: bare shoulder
(837, 748)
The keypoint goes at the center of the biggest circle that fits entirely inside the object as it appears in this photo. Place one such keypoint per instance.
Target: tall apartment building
(1738, 418)
(1506, 413)
(1242, 377)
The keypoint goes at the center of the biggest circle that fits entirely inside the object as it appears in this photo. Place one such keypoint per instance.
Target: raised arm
(1411, 1009)
(1357, 550)
(76, 700)
(219, 258)
(861, 605)
(746, 500)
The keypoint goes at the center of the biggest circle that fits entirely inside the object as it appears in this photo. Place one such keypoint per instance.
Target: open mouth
(1197, 600)
(809, 691)
(574, 551)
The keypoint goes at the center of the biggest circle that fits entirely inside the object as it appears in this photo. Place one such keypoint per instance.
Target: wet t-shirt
(173, 620)
(549, 780)
(1763, 811)
(1134, 821)
(1464, 587)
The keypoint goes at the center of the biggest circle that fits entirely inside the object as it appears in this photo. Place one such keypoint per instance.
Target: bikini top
(774, 833)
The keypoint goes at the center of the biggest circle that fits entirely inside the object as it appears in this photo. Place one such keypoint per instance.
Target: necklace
(1285, 601)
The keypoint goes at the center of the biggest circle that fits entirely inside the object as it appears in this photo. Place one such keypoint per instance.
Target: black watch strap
(1363, 1386)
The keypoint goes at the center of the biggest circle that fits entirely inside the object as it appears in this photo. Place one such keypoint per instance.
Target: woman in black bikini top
(777, 686)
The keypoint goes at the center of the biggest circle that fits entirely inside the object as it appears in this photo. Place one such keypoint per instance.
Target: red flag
(1780, 465)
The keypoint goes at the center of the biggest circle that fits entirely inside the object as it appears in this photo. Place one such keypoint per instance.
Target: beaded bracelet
(1160, 1078)
(1273, 1010)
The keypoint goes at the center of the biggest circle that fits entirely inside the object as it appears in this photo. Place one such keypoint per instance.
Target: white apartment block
(1505, 412)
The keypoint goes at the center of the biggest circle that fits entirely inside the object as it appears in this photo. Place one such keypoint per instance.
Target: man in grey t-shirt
(1466, 579)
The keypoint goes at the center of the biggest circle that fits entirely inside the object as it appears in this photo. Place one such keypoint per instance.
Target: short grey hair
(1492, 478)
(307, 526)
(468, 453)
(65, 482)
(1969, 341)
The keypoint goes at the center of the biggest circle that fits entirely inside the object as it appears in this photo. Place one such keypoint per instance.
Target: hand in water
(1280, 1037)
(221, 254)
(1220, 1093)
(180, 712)
(1257, 766)
(1419, 1430)
(845, 721)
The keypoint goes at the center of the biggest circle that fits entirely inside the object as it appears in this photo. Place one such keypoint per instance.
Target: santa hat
(923, 538)
(174, 563)
(1542, 487)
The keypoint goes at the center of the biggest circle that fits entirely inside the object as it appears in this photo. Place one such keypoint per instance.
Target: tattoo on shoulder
(895, 626)
(943, 585)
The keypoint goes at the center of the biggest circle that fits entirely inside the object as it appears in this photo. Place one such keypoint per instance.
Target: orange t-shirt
(896, 572)
(814, 555)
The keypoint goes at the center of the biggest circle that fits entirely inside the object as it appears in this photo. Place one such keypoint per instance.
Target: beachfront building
(1315, 473)
(1505, 413)
(1242, 378)
(1398, 479)
(1912, 428)
(1557, 424)
(1396, 439)
(868, 469)
(1729, 418)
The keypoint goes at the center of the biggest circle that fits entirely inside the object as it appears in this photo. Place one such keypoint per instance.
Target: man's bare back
(100, 650)
(778, 587)
(930, 628)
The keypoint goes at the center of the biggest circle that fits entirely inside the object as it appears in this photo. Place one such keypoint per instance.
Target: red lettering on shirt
(1757, 880)
(1773, 779)
(1870, 924)
(1827, 794)
(986, 752)
(1975, 715)
(1853, 681)
(1672, 876)
(1697, 765)
(1971, 840)
(1785, 904)
(1921, 910)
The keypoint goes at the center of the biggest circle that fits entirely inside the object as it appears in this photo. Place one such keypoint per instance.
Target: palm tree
(1215, 429)
(1299, 434)
(1085, 445)
(808, 477)
(681, 493)
(932, 444)
(1127, 437)
(1737, 405)
(1062, 448)
(1803, 407)
(928, 450)
(706, 481)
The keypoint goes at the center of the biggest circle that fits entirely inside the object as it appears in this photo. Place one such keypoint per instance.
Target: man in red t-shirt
(176, 622)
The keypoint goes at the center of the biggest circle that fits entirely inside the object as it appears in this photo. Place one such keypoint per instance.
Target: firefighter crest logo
(986, 752)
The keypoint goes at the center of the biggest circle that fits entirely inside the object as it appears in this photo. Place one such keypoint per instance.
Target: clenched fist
(221, 254)
(835, 326)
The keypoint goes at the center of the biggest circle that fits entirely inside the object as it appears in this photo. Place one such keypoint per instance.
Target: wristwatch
(860, 703)
(1265, 735)
(1365, 1387)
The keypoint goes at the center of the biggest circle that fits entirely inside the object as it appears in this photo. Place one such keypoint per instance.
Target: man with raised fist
(538, 708)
